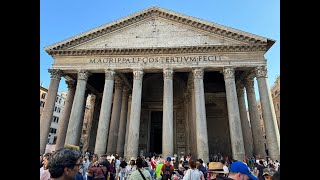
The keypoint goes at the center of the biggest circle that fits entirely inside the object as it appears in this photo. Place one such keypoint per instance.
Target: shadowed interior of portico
(152, 102)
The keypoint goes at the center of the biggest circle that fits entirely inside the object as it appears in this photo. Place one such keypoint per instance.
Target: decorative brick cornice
(155, 12)
(159, 50)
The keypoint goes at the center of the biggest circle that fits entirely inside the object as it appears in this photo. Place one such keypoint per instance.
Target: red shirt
(153, 164)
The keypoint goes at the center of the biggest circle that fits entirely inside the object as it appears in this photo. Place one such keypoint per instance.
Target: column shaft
(246, 130)
(127, 128)
(257, 135)
(187, 127)
(115, 117)
(64, 120)
(167, 125)
(234, 115)
(89, 125)
(134, 125)
(123, 122)
(268, 113)
(192, 117)
(84, 104)
(201, 120)
(94, 123)
(46, 117)
(105, 112)
(76, 117)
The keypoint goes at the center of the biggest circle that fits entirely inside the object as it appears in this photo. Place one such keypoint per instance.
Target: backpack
(167, 173)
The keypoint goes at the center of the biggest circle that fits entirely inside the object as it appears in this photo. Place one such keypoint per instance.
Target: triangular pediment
(156, 27)
(157, 32)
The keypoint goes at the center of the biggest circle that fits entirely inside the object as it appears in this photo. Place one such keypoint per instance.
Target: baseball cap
(168, 158)
(242, 168)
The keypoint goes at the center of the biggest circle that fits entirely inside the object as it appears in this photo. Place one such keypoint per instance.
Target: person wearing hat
(167, 169)
(268, 173)
(240, 171)
(215, 170)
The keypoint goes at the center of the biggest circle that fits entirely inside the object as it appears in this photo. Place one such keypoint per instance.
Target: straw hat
(216, 167)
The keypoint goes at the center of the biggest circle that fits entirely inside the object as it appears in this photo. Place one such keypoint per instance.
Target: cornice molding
(159, 50)
(155, 12)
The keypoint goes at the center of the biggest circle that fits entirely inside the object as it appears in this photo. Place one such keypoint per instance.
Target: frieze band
(159, 59)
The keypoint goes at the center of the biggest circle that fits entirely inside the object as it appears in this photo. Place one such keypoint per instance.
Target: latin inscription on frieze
(157, 59)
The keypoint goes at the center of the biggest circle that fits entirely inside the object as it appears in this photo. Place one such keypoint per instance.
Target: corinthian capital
(118, 82)
(261, 71)
(83, 75)
(240, 90)
(71, 83)
(55, 73)
(137, 74)
(109, 74)
(249, 83)
(198, 73)
(125, 91)
(168, 73)
(228, 72)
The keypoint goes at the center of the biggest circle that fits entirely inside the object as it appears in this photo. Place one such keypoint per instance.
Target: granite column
(234, 115)
(268, 113)
(46, 117)
(134, 125)
(76, 117)
(105, 112)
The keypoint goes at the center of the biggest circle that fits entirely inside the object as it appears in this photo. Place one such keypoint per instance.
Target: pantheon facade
(165, 83)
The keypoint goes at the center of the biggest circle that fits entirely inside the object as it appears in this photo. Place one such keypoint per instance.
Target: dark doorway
(156, 132)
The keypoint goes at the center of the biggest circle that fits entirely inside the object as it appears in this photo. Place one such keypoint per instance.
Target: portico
(184, 68)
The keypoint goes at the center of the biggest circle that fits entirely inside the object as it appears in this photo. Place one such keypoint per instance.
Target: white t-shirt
(225, 169)
(192, 175)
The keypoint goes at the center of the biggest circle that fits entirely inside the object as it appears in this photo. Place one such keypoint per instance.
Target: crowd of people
(68, 163)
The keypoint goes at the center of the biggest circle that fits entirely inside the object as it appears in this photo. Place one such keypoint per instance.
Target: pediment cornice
(155, 12)
(158, 50)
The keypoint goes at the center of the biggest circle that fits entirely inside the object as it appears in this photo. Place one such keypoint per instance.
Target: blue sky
(62, 19)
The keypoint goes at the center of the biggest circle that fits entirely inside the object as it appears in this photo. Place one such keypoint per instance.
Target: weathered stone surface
(200, 107)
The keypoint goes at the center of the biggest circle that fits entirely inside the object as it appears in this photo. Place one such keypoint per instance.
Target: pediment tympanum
(156, 32)
(159, 28)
